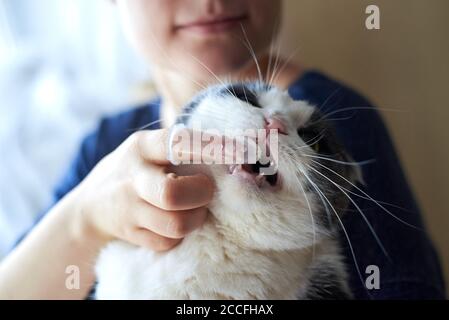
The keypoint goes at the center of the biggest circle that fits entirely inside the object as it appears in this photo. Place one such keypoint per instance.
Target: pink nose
(275, 124)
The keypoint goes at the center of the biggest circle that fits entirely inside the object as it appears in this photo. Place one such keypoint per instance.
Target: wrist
(82, 226)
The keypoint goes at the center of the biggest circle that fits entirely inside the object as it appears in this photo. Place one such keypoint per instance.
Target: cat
(274, 239)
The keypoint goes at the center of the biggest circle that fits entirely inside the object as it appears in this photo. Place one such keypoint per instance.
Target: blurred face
(180, 35)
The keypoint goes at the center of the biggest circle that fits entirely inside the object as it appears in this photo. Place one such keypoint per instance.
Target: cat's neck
(282, 272)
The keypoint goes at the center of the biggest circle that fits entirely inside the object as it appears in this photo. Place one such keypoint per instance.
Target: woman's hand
(130, 195)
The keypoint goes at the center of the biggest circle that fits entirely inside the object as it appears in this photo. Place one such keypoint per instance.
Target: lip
(210, 25)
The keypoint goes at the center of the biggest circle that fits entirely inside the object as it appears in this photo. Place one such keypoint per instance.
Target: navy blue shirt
(411, 270)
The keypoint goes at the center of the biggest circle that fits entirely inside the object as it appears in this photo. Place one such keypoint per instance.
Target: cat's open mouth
(252, 173)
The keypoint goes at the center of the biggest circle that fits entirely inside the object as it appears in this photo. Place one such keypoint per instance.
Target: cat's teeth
(233, 168)
(260, 180)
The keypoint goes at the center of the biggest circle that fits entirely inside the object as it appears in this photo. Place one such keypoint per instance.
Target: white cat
(274, 239)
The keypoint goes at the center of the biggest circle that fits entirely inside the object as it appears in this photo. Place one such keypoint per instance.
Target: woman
(118, 187)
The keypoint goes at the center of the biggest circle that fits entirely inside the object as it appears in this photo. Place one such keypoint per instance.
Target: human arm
(127, 196)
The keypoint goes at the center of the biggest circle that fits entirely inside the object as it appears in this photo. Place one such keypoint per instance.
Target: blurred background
(65, 63)
(403, 66)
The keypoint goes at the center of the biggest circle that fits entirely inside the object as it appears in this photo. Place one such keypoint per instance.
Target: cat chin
(254, 225)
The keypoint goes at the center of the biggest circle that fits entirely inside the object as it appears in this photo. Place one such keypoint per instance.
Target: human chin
(217, 63)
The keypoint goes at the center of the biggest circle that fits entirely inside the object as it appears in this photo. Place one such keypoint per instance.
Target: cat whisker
(352, 163)
(314, 140)
(252, 52)
(325, 200)
(367, 195)
(379, 242)
(175, 65)
(271, 52)
(311, 217)
(340, 119)
(292, 149)
(326, 115)
(145, 126)
(276, 64)
(155, 122)
(333, 94)
(381, 202)
(307, 144)
(209, 70)
(285, 64)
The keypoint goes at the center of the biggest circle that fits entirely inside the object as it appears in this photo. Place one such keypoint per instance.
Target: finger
(171, 192)
(148, 239)
(186, 146)
(152, 145)
(171, 224)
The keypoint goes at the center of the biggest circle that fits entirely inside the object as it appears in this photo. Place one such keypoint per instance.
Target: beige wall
(404, 65)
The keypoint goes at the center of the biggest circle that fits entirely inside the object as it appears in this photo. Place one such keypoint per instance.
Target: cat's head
(302, 201)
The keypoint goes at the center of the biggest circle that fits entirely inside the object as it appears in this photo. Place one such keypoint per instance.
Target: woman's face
(181, 35)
